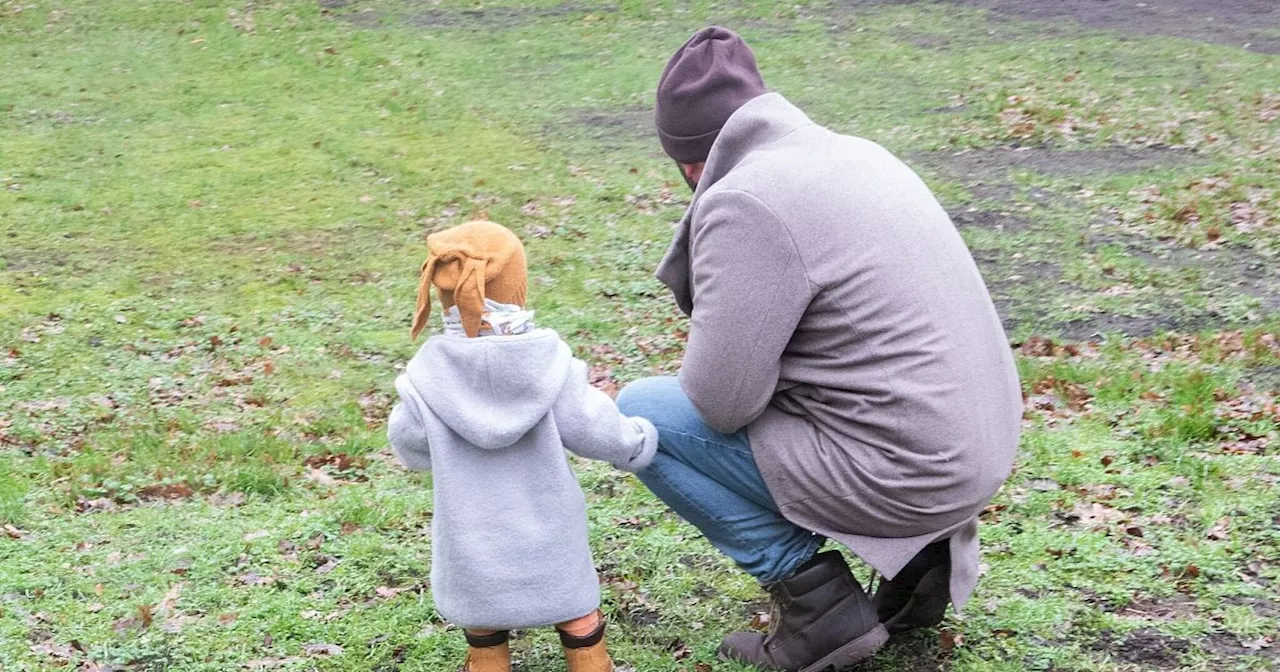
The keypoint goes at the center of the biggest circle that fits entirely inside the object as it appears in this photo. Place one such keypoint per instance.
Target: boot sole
(852, 653)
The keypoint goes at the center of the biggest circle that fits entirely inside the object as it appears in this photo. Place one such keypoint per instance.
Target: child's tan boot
(587, 653)
(488, 653)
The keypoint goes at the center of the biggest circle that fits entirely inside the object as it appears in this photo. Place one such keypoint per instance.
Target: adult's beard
(693, 186)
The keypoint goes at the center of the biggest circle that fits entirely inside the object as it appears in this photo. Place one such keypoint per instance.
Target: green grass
(211, 223)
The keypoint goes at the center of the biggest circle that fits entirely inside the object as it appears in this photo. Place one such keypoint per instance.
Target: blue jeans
(712, 481)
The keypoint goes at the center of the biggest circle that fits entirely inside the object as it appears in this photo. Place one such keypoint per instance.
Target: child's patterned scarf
(500, 319)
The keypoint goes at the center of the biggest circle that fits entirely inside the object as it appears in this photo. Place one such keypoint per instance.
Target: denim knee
(654, 399)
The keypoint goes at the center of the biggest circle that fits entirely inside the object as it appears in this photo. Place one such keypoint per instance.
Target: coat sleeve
(750, 289)
(406, 429)
(591, 425)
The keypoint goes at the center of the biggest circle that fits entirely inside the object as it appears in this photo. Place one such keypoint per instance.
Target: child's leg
(583, 626)
(584, 647)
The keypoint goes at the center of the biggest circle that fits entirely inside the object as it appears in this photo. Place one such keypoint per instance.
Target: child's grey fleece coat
(491, 417)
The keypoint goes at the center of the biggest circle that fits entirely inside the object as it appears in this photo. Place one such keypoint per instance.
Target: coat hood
(491, 391)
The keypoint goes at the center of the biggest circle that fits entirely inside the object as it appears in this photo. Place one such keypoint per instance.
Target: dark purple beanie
(708, 79)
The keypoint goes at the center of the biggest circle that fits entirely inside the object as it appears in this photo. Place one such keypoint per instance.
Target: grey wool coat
(838, 316)
(491, 418)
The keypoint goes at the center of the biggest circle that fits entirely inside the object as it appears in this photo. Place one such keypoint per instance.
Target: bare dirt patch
(1242, 23)
(987, 219)
(1147, 648)
(1175, 608)
(1227, 646)
(985, 165)
(422, 14)
(31, 262)
(608, 130)
(1232, 266)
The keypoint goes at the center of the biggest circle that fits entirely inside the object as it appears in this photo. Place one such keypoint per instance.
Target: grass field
(212, 216)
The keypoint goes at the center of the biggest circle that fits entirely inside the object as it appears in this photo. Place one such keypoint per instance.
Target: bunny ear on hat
(423, 312)
(469, 296)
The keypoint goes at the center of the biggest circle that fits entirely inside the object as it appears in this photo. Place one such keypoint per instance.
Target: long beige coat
(837, 314)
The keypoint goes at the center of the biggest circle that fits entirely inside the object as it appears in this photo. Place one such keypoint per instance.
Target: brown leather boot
(919, 595)
(587, 653)
(821, 620)
(488, 653)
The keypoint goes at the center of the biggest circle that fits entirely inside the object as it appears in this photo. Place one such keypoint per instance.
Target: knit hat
(707, 80)
(468, 264)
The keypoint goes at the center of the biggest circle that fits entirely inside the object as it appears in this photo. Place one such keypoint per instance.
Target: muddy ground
(1249, 24)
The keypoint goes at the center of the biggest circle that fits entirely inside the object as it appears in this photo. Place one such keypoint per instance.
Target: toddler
(489, 407)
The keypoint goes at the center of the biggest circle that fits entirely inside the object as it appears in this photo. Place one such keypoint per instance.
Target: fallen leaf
(319, 476)
(140, 621)
(1037, 346)
(166, 491)
(948, 641)
(253, 579)
(1220, 531)
(1257, 644)
(168, 603)
(1093, 514)
(322, 649)
(760, 621)
(233, 499)
(387, 592)
(13, 532)
(1044, 485)
(329, 563)
(61, 651)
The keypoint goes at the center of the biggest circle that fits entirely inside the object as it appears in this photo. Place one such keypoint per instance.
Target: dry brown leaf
(949, 641)
(169, 603)
(387, 592)
(1221, 530)
(760, 621)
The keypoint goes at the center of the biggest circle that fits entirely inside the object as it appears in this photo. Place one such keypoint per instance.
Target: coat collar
(757, 124)
(760, 122)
